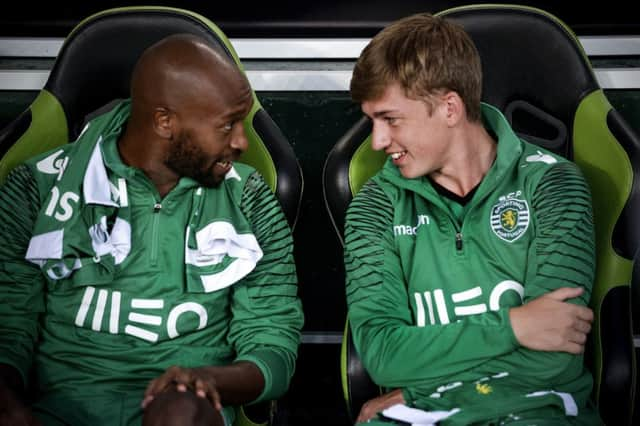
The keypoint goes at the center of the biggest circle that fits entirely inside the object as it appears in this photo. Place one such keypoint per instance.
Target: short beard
(186, 159)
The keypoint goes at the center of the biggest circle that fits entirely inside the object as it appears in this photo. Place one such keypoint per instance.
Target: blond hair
(426, 55)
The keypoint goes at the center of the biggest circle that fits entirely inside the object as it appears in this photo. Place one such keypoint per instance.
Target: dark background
(359, 18)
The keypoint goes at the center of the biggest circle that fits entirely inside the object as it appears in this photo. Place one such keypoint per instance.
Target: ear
(163, 122)
(454, 108)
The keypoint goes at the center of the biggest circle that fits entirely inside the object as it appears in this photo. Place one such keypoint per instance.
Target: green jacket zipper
(458, 241)
(155, 236)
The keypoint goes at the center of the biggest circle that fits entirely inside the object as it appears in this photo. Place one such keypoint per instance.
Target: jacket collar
(508, 152)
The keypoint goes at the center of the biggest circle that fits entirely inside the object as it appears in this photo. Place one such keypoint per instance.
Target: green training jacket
(157, 300)
(429, 287)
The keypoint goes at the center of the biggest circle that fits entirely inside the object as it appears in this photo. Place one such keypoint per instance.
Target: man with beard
(144, 276)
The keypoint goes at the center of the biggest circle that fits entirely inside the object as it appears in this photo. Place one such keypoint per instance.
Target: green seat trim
(343, 365)
(608, 171)
(364, 164)
(243, 420)
(257, 155)
(47, 130)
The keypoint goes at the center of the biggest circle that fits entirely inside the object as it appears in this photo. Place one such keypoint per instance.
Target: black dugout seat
(536, 72)
(93, 68)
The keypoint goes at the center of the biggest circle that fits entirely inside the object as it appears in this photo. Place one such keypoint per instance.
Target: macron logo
(423, 219)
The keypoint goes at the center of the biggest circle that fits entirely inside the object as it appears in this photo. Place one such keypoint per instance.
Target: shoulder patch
(541, 157)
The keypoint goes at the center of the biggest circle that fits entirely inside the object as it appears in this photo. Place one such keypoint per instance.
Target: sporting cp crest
(510, 218)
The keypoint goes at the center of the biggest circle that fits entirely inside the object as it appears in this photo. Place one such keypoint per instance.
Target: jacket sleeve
(379, 308)
(267, 314)
(21, 282)
(562, 255)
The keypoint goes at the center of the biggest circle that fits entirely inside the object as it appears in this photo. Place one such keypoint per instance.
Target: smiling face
(209, 134)
(188, 101)
(416, 136)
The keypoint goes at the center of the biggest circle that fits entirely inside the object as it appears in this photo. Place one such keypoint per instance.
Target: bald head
(188, 103)
(181, 69)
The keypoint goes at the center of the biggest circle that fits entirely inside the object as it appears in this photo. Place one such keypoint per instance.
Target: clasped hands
(200, 381)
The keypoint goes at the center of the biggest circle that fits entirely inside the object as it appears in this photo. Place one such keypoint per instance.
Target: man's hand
(12, 411)
(549, 323)
(198, 380)
(376, 405)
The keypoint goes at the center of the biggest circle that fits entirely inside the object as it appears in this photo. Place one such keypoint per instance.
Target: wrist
(514, 323)
(397, 397)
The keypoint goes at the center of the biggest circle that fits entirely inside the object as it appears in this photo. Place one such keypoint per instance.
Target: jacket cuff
(274, 370)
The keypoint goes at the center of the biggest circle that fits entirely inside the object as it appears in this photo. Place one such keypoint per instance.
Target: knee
(173, 408)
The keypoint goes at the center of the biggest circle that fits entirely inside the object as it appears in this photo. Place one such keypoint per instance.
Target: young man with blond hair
(470, 256)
